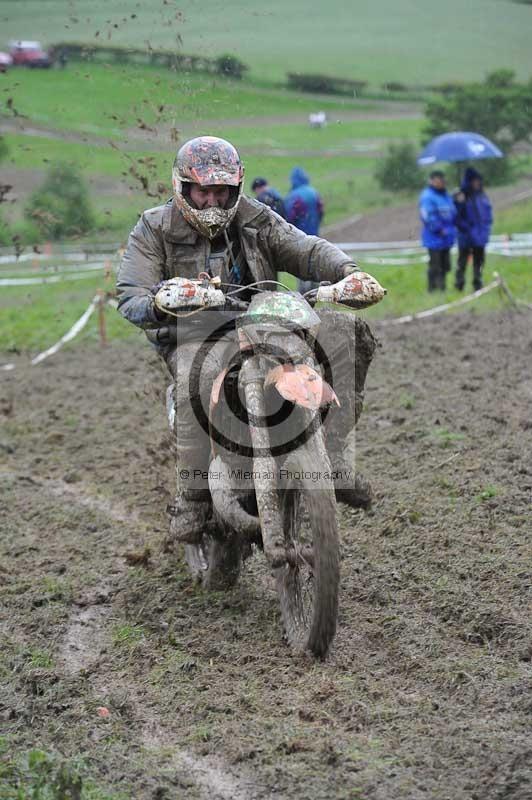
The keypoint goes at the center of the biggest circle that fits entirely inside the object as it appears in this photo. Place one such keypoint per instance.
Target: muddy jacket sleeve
(142, 268)
(306, 257)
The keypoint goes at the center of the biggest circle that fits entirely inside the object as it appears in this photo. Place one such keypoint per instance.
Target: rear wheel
(308, 583)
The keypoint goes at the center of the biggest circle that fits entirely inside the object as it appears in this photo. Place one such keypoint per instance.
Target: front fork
(264, 464)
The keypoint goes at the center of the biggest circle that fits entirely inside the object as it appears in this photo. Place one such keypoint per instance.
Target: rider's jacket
(163, 245)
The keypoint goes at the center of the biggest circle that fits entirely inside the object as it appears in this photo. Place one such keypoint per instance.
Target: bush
(61, 207)
(230, 66)
(394, 86)
(326, 84)
(399, 170)
(500, 79)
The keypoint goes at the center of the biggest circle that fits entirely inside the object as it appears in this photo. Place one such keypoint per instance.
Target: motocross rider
(209, 226)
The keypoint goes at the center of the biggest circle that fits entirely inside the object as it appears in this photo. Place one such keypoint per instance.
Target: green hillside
(415, 41)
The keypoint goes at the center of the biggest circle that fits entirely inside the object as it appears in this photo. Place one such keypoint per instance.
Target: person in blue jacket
(438, 214)
(474, 218)
(304, 209)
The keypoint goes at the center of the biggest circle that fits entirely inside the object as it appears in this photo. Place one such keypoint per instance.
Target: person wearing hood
(438, 214)
(304, 209)
(474, 218)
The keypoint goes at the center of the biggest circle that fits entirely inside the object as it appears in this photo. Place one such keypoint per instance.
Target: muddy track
(428, 690)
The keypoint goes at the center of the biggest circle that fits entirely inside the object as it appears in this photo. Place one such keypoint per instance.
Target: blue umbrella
(459, 146)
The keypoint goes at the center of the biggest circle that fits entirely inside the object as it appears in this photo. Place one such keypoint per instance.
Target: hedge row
(324, 83)
(227, 64)
(328, 84)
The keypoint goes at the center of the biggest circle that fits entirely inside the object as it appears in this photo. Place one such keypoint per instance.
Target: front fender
(302, 385)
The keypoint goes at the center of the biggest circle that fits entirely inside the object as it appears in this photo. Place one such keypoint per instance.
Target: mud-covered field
(113, 663)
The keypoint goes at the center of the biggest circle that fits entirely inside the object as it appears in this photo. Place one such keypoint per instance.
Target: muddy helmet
(207, 161)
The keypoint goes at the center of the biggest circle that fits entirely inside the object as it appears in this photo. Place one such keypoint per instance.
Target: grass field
(114, 104)
(409, 41)
(343, 173)
(516, 219)
(104, 100)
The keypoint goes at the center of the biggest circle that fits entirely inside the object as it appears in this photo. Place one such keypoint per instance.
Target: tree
(230, 66)
(399, 170)
(500, 108)
(61, 206)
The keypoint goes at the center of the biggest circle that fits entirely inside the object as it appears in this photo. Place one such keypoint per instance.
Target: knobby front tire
(308, 583)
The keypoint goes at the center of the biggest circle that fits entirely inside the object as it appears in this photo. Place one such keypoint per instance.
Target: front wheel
(308, 583)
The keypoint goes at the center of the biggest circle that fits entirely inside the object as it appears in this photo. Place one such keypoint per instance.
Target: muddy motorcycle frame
(289, 511)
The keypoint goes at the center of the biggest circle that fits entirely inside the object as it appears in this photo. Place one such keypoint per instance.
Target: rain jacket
(474, 215)
(438, 213)
(303, 205)
(163, 245)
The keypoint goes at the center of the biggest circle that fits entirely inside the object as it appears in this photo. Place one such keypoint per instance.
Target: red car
(29, 54)
(5, 61)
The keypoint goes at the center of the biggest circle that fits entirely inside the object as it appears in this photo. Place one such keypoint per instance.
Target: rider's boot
(358, 495)
(350, 487)
(189, 515)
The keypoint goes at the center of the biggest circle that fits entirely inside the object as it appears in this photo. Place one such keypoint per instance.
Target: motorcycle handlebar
(234, 304)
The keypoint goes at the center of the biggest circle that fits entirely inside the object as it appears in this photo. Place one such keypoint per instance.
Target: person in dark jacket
(266, 194)
(304, 209)
(438, 213)
(474, 218)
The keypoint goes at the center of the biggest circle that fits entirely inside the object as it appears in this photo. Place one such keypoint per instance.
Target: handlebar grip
(234, 304)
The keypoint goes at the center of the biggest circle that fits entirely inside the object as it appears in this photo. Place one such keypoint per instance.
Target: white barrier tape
(352, 246)
(429, 312)
(391, 262)
(511, 253)
(74, 330)
(51, 279)
(86, 266)
(78, 256)
(516, 240)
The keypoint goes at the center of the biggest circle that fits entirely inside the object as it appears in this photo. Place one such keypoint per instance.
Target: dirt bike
(286, 506)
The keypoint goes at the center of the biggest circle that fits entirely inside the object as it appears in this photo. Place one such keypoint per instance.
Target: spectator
(473, 220)
(266, 194)
(304, 209)
(438, 213)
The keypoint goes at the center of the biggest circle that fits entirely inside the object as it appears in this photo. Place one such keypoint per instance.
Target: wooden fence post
(101, 317)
